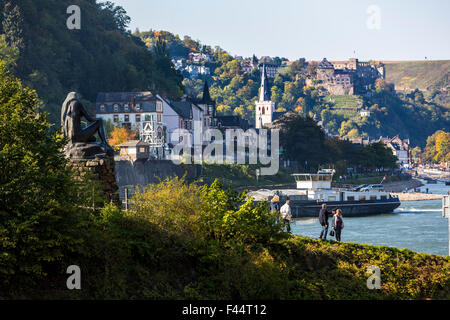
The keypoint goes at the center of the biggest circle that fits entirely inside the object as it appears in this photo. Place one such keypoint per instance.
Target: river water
(415, 225)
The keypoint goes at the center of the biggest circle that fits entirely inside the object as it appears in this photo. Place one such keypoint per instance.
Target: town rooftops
(119, 102)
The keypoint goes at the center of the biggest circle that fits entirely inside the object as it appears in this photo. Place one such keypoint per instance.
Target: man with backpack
(286, 215)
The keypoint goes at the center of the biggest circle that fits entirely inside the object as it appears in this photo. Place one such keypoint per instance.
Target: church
(265, 108)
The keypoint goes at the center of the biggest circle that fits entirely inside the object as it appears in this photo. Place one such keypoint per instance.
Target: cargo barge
(314, 189)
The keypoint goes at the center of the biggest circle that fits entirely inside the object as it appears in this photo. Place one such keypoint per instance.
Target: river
(415, 225)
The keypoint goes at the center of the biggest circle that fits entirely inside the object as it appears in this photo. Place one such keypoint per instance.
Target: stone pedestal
(102, 170)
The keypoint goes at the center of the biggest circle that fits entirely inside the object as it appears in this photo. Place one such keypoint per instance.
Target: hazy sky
(403, 29)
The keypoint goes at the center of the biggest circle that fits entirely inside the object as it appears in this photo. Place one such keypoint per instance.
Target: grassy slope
(339, 101)
(417, 74)
(296, 268)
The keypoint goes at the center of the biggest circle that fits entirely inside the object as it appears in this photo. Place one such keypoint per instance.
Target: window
(159, 117)
(159, 106)
(373, 197)
(116, 107)
(138, 106)
(350, 198)
(383, 197)
(331, 198)
(142, 149)
(148, 117)
(127, 118)
(116, 118)
(362, 197)
(102, 107)
(138, 118)
(126, 107)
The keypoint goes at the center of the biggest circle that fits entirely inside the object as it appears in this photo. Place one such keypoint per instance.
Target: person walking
(286, 215)
(275, 203)
(338, 224)
(323, 220)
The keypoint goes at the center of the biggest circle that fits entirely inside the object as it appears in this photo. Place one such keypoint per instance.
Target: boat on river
(314, 189)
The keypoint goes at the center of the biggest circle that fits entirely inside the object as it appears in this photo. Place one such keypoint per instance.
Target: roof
(263, 95)
(232, 121)
(133, 143)
(182, 108)
(124, 96)
(145, 99)
(325, 64)
(206, 98)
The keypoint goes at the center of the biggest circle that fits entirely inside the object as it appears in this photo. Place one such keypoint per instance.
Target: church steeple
(264, 108)
(263, 95)
(206, 96)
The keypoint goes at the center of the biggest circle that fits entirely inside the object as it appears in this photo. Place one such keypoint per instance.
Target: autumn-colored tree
(442, 147)
(438, 147)
(120, 135)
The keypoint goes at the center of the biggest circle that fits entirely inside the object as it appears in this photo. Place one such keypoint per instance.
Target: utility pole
(126, 199)
(446, 214)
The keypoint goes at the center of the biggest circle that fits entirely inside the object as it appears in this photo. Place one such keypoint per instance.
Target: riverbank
(417, 196)
(400, 186)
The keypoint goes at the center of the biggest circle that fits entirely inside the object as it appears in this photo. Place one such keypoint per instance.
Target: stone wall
(141, 173)
(102, 170)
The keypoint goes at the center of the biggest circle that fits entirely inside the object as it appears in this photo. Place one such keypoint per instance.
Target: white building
(271, 69)
(140, 111)
(183, 114)
(399, 147)
(364, 113)
(199, 57)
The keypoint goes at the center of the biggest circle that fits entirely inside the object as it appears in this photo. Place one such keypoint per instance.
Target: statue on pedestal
(82, 144)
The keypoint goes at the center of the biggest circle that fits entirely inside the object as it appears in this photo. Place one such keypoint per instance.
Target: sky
(313, 29)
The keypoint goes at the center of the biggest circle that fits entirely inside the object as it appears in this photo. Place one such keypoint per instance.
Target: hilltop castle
(347, 77)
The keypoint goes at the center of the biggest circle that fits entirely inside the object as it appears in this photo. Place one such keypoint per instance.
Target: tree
(442, 147)
(416, 152)
(438, 147)
(8, 55)
(120, 17)
(39, 199)
(12, 25)
(302, 139)
(120, 135)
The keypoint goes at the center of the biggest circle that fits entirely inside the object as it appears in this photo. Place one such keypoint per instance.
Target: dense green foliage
(101, 56)
(242, 175)
(304, 141)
